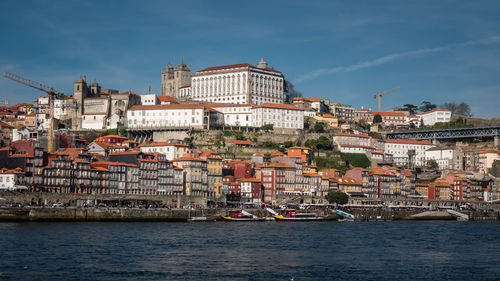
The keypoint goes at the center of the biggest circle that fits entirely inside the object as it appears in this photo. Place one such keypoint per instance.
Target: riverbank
(75, 214)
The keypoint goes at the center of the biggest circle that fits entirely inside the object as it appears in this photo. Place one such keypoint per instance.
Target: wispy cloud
(393, 57)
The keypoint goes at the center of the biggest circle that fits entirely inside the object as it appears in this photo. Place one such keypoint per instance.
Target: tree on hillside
(377, 119)
(426, 106)
(267, 127)
(319, 127)
(432, 164)
(337, 197)
(495, 168)
(290, 92)
(410, 108)
(459, 109)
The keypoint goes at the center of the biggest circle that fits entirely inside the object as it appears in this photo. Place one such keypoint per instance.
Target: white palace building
(238, 84)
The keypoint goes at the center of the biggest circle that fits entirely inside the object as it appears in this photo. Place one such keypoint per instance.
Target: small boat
(198, 219)
(240, 215)
(292, 215)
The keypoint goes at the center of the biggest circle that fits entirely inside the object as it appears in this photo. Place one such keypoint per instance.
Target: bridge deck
(460, 133)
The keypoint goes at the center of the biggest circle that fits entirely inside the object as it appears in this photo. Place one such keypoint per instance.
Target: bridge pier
(496, 141)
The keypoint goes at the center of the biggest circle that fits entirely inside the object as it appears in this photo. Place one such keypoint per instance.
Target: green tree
(459, 109)
(287, 144)
(239, 136)
(267, 127)
(337, 197)
(410, 108)
(323, 143)
(426, 106)
(319, 127)
(377, 119)
(432, 164)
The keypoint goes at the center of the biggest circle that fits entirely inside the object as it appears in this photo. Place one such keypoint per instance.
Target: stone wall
(46, 197)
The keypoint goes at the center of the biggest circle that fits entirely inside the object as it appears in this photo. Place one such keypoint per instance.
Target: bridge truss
(450, 134)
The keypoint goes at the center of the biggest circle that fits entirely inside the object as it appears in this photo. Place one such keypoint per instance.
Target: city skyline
(441, 52)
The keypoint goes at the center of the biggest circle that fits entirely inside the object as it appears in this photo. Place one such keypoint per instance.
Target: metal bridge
(447, 134)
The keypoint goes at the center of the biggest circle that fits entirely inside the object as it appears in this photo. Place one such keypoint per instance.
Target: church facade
(175, 78)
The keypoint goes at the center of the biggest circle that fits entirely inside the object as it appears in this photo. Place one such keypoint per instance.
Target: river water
(406, 250)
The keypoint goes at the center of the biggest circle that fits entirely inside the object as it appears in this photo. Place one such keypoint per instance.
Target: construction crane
(379, 95)
(50, 92)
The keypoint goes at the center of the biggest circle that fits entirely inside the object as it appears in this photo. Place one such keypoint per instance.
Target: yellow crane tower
(50, 92)
(379, 95)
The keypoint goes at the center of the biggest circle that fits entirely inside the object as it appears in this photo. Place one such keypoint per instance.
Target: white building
(94, 121)
(196, 116)
(235, 114)
(64, 108)
(400, 148)
(352, 148)
(434, 116)
(238, 83)
(42, 121)
(185, 91)
(413, 119)
(352, 139)
(170, 149)
(281, 116)
(149, 99)
(9, 179)
(442, 155)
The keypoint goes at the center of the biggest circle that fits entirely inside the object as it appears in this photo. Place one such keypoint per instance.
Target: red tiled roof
(187, 159)
(239, 65)
(489, 151)
(155, 144)
(98, 113)
(242, 142)
(278, 165)
(167, 99)
(389, 113)
(279, 105)
(434, 110)
(352, 135)
(113, 163)
(299, 147)
(249, 180)
(313, 99)
(358, 146)
(169, 106)
(125, 153)
(423, 142)
(229, 105)
(111, 136)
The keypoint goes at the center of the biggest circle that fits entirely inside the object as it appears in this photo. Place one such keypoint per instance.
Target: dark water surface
(437, 250)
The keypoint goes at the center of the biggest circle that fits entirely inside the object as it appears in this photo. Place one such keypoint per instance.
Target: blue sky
(439, 51)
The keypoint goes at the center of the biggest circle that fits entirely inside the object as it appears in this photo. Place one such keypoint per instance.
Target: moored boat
(240, 215)
(292, 215)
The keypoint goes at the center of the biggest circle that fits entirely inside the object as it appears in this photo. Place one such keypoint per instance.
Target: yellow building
(422, 190)
(331, 120)
(214, 168)
(486, 159)
(349, 185)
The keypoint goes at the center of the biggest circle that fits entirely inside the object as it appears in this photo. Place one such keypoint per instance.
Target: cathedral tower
(172, 79)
